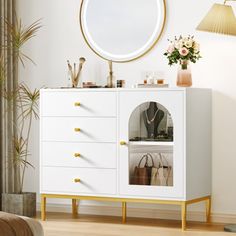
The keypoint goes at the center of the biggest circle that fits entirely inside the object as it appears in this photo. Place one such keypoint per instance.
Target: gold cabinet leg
(75, 207)
(208, 210)
(184, 215)
(43, 207)
(124, 212)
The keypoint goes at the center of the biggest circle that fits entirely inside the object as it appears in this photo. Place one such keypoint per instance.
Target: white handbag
(155, 177)
(164, 172)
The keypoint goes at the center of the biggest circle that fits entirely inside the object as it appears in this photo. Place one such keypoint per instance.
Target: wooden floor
(60, 224)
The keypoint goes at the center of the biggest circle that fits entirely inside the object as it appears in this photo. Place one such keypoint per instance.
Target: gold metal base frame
(124, 201)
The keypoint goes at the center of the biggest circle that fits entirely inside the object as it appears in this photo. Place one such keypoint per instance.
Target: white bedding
(34, 225)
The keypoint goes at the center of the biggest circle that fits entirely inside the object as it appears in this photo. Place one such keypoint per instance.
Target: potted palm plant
(25, 106)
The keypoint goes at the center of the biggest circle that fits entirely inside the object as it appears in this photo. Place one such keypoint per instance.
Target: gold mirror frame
(133, 59)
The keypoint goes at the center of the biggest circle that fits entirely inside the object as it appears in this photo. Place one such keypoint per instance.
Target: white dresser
(91, 140)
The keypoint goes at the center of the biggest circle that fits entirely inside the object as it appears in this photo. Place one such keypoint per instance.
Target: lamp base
(230, 228)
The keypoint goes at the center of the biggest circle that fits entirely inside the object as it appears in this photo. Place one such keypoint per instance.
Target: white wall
(60, 39)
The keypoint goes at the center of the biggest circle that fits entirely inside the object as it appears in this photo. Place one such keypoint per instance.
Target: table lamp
(220, 19)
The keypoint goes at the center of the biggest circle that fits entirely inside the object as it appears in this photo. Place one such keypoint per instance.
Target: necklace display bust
(152, 118)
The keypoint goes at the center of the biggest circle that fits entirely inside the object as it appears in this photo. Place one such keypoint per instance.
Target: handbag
(164, 171)
(142, 175)
(155, 180)
(154, 175)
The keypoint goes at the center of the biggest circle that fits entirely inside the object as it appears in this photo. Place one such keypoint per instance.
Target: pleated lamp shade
(220, 19)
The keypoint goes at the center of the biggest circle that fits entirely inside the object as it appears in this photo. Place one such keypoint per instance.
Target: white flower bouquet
(182, 50)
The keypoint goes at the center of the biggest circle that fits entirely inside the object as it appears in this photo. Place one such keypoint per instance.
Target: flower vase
(184, 77)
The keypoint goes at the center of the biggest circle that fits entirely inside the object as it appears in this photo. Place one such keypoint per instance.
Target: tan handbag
(142, 175)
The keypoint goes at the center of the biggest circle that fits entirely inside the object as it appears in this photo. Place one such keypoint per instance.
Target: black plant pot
(20, 204)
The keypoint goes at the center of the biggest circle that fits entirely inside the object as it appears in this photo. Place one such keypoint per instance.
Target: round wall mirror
(122, 30)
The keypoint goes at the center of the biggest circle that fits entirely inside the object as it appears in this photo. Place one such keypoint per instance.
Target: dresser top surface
(118, 89)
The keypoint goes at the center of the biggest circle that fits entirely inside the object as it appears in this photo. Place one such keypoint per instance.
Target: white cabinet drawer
(91, 103)
(91, 129)
(61, 180)
(95, 155)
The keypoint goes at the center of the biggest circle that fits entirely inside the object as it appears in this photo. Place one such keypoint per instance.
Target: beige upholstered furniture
(13, 225)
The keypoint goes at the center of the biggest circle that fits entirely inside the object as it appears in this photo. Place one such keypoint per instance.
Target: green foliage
(29, 101)
(20, 152)
(19, 35)
(26, 102)
(22, 97)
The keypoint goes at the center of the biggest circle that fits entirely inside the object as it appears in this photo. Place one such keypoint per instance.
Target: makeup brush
(74, 73)
(70, 70)
(74, 76)
(82, 60)
(69, 66)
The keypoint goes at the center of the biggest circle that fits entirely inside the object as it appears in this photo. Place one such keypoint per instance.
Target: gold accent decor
(77, 155)
(77, 104)
(184, 215)
(123, 143)
(208, 210)
(220, 19)
(124, 212)
(74, 207)
(77, 129)
(77, 180)
(43, 207)
(146, 52)
(110, 79)
(124, 202)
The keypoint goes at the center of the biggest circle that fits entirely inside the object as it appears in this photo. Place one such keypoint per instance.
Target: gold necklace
(154, 117)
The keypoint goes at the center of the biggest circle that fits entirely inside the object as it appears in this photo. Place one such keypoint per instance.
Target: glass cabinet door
(151, 145)
(151, 150)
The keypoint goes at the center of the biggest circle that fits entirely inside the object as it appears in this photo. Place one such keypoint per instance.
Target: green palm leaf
(19, 35)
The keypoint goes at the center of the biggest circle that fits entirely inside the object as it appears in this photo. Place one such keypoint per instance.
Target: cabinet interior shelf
(150, 143)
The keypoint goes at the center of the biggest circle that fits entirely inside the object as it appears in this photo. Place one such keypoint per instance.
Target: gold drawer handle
(123, 143)
(77, 155)
(77, 129)
(77, 180)
(77, 104)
